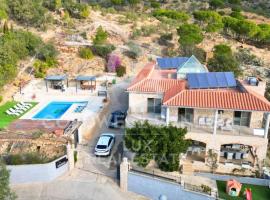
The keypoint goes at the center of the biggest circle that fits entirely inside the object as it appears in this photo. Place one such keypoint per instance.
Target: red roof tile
(143, 74)
(176, 94)
(218, 99)
(156, 85)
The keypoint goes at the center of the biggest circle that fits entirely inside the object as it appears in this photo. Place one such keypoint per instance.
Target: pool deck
(36, 91)
(94, 105)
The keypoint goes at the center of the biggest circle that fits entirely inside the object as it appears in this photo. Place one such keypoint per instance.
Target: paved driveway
(78, 185)
(94, 178)
(87, 161)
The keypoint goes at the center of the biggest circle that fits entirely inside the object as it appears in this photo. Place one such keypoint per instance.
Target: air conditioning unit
(253, 81)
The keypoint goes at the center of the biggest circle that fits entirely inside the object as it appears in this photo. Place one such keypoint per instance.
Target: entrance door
(185, 115)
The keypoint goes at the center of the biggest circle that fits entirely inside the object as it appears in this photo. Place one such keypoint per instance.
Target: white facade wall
(36, 172)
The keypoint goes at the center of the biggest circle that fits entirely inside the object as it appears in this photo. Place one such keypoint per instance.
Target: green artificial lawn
(6, 119)
(258, 192)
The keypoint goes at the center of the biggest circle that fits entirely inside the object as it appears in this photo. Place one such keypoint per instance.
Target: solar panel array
(211, 80)
(171, 63)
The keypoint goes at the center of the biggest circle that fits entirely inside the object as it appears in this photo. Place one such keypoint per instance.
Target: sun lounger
(25, 105)
(25, 108)
(12, 113)
(20, 108)
(16, 111)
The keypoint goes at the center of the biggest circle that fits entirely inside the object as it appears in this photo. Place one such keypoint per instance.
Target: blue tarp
(171, 63)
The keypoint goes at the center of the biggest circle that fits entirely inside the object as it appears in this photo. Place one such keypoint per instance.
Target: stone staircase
(187, 168)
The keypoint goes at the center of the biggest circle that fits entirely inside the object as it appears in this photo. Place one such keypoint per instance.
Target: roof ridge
(258, 96)
(144, 78)
(174, 96)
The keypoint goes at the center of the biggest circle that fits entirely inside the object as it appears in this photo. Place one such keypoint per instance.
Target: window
(185, 114)
(153, 105)
(220, 112)
(241, 118)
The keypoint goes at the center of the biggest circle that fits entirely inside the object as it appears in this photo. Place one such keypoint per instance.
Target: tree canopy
(160, 143)
(28, 12)
(17, 45)
(224, 60)
(5, 191)
(100, 37)
(172, 14)
(211, 21)
(190, 34)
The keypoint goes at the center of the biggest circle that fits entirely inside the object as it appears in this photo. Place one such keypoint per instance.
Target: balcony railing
(199, 128)
(232, 130)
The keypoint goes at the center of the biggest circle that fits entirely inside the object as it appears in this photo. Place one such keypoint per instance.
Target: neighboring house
(182, 65)
(229, 116)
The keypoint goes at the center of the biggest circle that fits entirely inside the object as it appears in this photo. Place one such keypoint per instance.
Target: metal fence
(197, 188)
(157, 174)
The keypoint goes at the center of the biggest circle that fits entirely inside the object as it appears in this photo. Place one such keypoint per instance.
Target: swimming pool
(55, 110)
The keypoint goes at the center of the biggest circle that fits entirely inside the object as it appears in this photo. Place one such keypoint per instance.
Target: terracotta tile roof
(176, 93)
(156, 85)
(143, 74)
(218, 99)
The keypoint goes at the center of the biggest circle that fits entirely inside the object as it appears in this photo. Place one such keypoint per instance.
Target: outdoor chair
(228, 125)
(220, 122)
(202, 121)
(209, 121)
(16, 111)
(17, 107)
(12, 113)
(26, 105)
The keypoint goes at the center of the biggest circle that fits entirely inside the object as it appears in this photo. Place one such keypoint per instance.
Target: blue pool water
(54, 110)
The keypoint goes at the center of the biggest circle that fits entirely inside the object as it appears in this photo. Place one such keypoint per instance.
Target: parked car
(117, 119)
(105, 144)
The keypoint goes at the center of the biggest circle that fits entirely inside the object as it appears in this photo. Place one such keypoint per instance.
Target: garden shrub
(113, 62)
(120, 71)
(134, 50)
(161, 144)
(26, 158)
(28, 12)
(154, 4)
(100, 37)
(165, 38)
(173, 14)
(103, 50)
(147, 30)
(85, 53)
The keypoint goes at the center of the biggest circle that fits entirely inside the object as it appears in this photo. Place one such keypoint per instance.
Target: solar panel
(230, 79)
(202, 79)
(222, 82)
(192, 81)
(171, 63)
(211, 80)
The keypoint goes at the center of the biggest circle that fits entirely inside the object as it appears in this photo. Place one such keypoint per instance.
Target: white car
(105, 144)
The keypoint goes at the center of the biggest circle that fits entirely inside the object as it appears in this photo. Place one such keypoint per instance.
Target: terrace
(193, 127)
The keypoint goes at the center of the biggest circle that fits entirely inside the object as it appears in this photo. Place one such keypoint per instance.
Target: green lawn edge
(5, 119)
(258, 192)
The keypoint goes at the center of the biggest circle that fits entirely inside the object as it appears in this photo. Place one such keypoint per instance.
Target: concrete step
(188, 169)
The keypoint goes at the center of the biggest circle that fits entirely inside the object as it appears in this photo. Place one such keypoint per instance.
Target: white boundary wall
(36, 172)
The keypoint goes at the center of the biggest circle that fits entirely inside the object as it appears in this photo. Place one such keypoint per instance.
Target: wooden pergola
(56, 81)
(89, 79)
